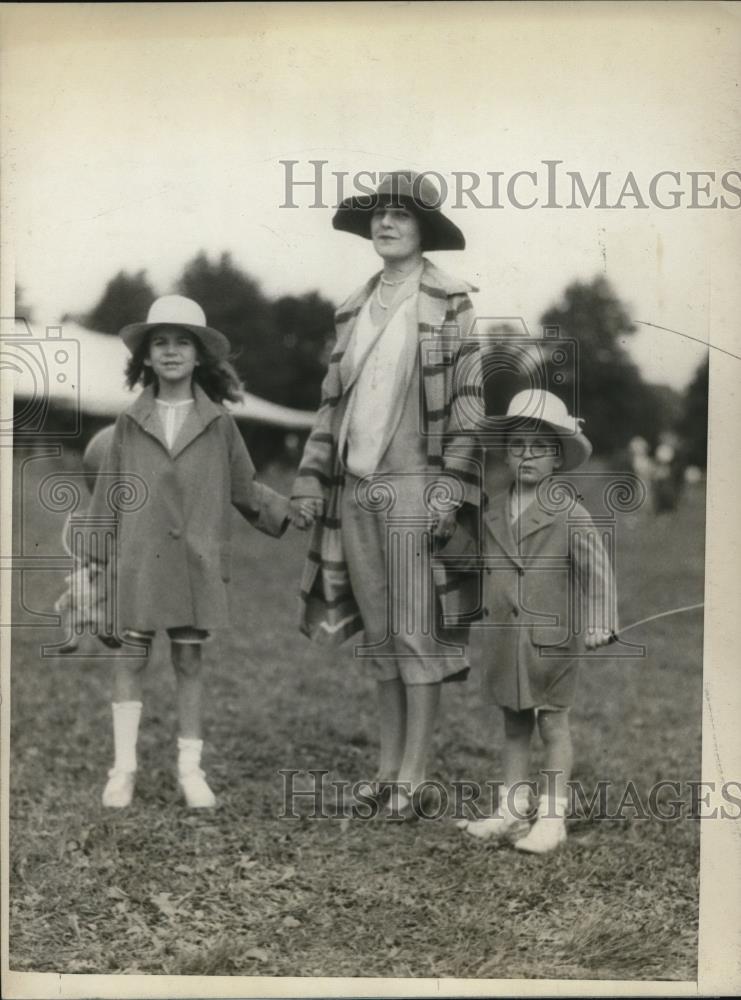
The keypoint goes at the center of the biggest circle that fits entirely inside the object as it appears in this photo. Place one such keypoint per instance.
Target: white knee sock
(126, 715)
(189, 754)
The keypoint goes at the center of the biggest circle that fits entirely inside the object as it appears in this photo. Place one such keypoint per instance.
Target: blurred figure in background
(668, 474)
(641, 462)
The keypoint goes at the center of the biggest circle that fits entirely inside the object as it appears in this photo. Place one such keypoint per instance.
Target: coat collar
(496, 519)
(144, 412)
(511, 536)
(433, 281)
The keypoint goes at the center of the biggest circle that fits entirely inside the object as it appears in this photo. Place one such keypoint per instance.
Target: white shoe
(546, 834)
(509, 823)
(495, 827)
(197, 793)
(119, 789)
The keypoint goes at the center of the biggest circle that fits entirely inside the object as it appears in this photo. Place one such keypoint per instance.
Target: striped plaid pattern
(451, 395)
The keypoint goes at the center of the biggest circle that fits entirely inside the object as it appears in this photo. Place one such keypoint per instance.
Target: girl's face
(532, 457)
(172, 355)
(395, 233)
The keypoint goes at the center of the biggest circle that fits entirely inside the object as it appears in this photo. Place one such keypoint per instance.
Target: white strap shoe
(509, 823)
(495, 827)
(548, 831)
(119, 789)
(195, 789)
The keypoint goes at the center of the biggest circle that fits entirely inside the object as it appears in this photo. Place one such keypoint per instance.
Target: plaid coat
(449, 370)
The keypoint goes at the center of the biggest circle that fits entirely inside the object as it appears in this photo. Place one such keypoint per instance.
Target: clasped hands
(305, 510)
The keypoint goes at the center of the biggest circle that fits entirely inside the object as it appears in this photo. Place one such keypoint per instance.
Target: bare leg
(423, 701)
(127, 676)
(393, 715)
(549, 830)
(556, 735)
(510, 820)
(518, 731)
(186, 659)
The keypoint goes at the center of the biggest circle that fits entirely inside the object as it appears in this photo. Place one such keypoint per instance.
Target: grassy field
(239, 891)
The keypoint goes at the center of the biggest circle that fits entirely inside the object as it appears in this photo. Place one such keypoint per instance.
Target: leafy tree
(693, 423)
(279, 347)
(613, 399)
(305, 326)
(126, 299)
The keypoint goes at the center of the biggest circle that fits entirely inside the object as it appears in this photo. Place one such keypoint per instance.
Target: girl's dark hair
(218, 379)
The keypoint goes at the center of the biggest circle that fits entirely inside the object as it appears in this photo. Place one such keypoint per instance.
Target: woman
(391, 428)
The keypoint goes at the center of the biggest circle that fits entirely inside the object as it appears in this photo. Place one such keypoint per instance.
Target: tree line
(281, 348)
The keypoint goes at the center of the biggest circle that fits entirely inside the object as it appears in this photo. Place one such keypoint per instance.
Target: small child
(173, 545)
(546, 578)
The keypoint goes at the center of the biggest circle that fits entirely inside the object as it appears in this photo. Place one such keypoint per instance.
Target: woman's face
(173, 354)
(395, 233)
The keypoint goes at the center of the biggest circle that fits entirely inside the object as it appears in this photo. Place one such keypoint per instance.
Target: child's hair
(218, 379)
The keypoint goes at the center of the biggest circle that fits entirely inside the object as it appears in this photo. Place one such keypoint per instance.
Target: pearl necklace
(390, 284)
(378, 298)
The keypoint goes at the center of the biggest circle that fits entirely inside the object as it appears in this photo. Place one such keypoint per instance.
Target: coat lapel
(144, 412)
(431, 310)
(435, 288)
(347, 321)
(511, 536)
(498, 524)
(532, 519)
(198, 419)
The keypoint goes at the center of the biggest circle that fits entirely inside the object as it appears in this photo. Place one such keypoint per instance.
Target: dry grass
(159, 890)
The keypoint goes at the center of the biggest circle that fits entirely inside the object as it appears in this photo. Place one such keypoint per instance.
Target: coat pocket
(546, 597)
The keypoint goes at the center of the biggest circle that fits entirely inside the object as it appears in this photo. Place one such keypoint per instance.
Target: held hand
(445, 526)
(600, 637)
(305, 510)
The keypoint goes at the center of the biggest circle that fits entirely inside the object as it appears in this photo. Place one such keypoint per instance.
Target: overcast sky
(136, 135)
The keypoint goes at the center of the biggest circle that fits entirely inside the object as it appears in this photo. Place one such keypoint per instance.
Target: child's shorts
(184, 634)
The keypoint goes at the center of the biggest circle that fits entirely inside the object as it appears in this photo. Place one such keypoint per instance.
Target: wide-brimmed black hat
(418, 195)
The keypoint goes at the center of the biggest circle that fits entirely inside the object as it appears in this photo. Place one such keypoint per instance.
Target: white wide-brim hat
(545, 408)
(177, 310)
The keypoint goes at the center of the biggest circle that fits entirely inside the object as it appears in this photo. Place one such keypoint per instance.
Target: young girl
(181, 453)
(551, 572)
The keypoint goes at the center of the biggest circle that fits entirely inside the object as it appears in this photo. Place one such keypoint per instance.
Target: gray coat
(547, 579)
(173, 552)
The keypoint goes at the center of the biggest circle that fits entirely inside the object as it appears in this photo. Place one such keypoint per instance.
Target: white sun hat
(177, 310)
(546, 409)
